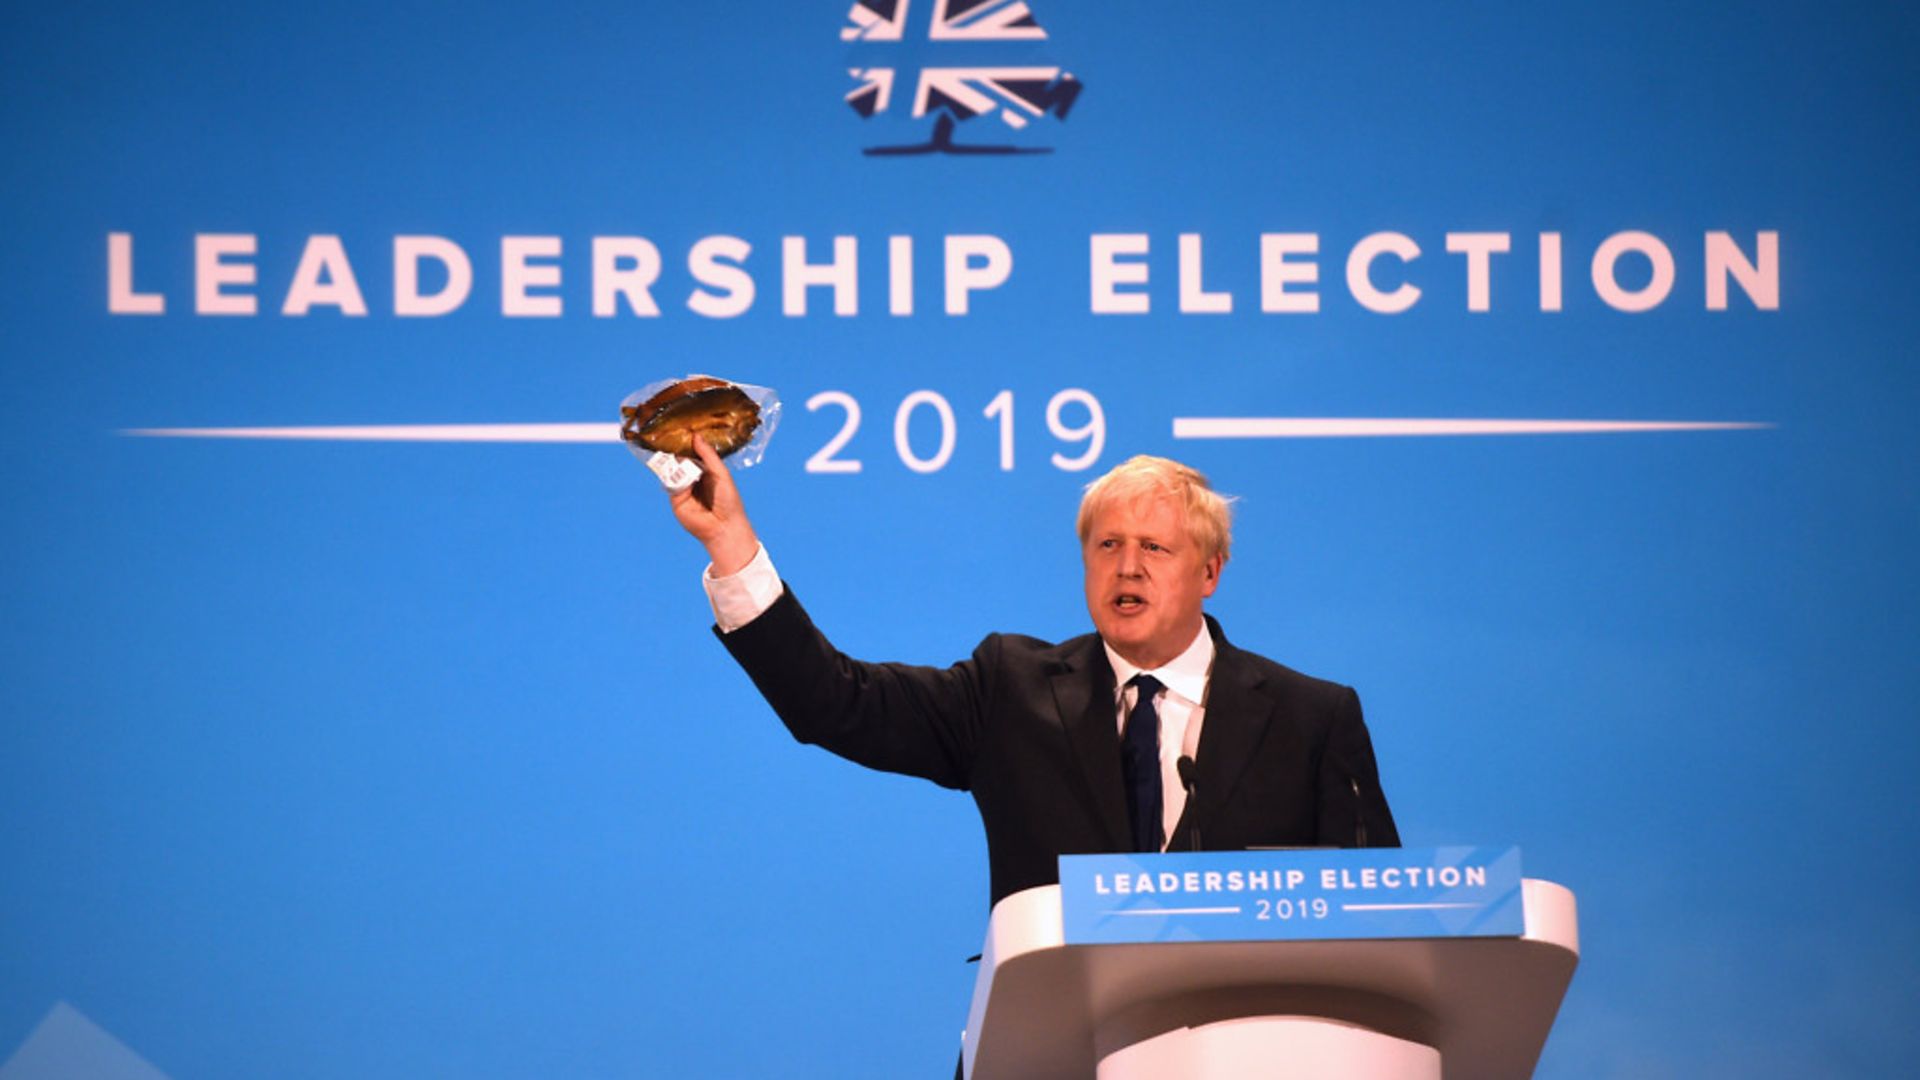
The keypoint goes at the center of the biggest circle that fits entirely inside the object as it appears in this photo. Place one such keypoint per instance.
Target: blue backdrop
(334, 759)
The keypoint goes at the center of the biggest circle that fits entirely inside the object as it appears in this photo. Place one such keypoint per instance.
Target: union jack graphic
(1018, 93)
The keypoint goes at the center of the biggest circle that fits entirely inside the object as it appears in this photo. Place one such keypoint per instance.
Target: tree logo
(961, 60)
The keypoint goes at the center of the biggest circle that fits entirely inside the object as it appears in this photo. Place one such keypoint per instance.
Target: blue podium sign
(1292, 895)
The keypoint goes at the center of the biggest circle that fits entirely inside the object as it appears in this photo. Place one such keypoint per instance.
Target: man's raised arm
(741, 582)
(922, 721)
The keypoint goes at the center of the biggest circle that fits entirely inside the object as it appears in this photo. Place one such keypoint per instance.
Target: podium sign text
(1292, 895)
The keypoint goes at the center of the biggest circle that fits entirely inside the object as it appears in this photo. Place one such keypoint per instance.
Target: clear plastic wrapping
(745, 456)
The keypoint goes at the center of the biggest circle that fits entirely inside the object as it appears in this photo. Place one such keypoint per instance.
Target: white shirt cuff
(740, 597)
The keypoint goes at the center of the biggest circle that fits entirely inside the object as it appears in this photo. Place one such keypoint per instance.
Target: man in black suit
(1079, 747)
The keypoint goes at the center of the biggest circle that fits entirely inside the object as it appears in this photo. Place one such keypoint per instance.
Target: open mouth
(1128, 603)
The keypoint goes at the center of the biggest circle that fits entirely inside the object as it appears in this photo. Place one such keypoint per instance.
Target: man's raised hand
(712, 513)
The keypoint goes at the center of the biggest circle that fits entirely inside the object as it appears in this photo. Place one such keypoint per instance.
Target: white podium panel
(1272, 1048)
(1460, 1008)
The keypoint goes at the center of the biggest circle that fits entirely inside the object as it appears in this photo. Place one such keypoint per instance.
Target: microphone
(1188, 777)
(1359, 802)
(1359, 813)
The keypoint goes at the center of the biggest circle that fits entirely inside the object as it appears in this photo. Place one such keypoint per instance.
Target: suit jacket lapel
(1083, 692)
(1237, 718)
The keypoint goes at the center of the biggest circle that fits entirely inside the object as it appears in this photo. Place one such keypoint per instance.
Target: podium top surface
(1040, 1005)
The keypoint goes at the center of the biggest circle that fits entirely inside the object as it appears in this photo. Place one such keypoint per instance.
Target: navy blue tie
(1140, 766)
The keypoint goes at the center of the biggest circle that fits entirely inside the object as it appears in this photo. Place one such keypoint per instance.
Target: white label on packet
(676, 474)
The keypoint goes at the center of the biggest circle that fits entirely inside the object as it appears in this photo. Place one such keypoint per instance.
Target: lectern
(1416, 1007)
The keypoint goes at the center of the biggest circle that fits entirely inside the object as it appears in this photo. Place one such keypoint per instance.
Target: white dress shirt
(739, 598)
(1181, 705)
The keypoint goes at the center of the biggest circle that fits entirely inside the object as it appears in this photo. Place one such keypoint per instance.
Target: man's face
(1146, 578)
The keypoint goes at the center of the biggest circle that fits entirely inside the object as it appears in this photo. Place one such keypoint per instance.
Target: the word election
(922, 408)
(627, 277)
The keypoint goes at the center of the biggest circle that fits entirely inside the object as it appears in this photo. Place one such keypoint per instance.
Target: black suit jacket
(1030, 728)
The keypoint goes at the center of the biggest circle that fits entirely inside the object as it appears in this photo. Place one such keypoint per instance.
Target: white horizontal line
(1323, 427)
(1404, 907)
(487, 433)
(1184, 427)
(1181, 911)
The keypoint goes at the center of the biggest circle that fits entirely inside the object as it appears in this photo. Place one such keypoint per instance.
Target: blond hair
(1209, 514)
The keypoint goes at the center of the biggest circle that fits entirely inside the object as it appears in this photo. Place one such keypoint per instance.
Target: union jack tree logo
(959, 60)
